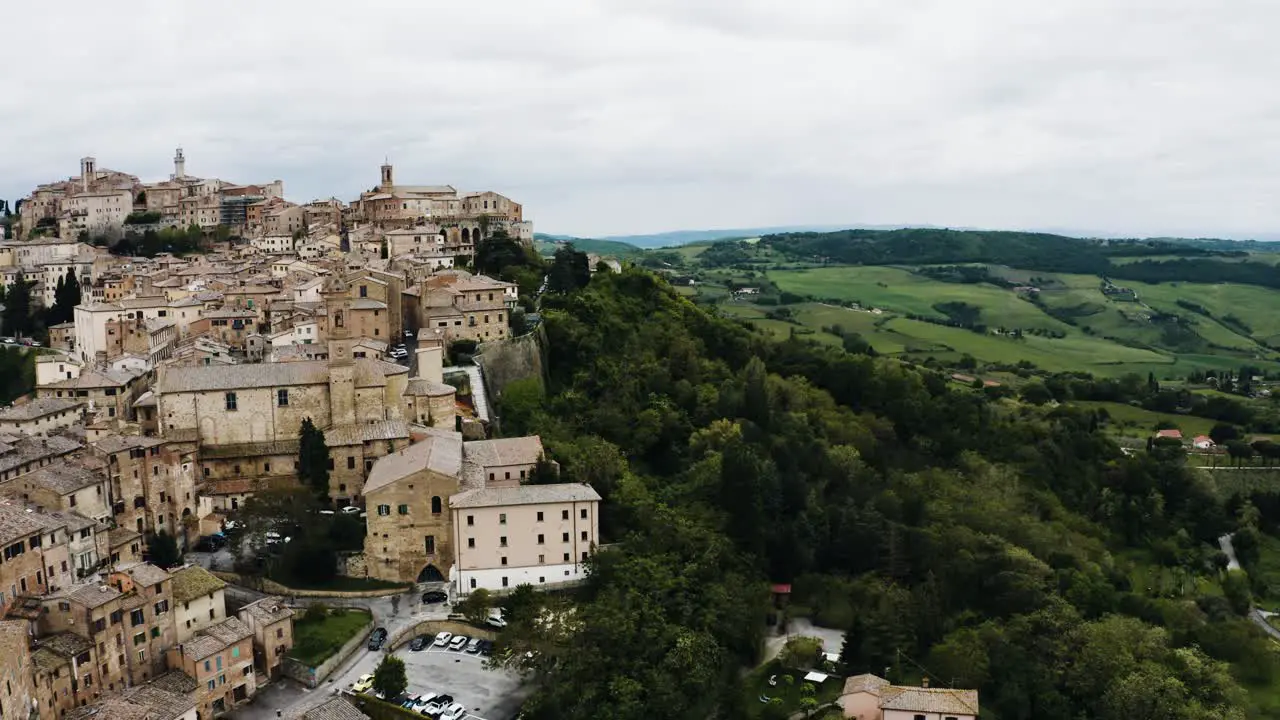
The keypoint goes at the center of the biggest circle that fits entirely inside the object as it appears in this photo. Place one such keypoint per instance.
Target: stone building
(41, 416)
(146, 605)
(272, 624)
(220, 660)
(442, 510)
(153, 482)
(18, 693)
(466, 307)
(199, 601)
(408, 533)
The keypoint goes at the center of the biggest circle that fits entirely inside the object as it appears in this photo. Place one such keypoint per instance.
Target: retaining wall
(431, 628)
(313, 676)
(271, 587)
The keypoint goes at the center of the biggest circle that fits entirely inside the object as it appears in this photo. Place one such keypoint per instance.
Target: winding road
(1257, 615)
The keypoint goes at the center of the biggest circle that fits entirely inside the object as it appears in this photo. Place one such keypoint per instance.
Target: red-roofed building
(1203, 442)
(1171, 433)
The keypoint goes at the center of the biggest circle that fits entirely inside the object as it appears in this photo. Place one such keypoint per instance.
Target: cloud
(620, 116)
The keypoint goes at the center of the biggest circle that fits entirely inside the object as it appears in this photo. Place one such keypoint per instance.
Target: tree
(17, 309)
(475, 606)
(1222, 432)
(1235, 586)
(313, 460)
(389, 677)
(66, 297)
(801, 653)
(1239, 450)
(570, 270)
(382, 251)
(163, 549)
(499, 252)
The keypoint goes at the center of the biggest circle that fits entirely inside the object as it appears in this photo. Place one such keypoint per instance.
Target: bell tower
(388, 175)
(342, 370)
(179, 165)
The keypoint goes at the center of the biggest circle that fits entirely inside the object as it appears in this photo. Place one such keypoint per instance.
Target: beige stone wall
(257, 417)
(396, 543)
(199, 613)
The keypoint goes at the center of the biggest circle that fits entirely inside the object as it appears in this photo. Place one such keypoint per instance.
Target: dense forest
(989, 542)
(1031, 251)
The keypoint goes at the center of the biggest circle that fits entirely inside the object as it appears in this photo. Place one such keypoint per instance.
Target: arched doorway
(430, 574)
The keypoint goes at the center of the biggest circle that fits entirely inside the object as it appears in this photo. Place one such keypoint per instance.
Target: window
(473, 583)
(162, 607)
(471, 519)
(403, 509)
(539, 518)
(231, 401)
(919, 717)
(564, 514)
(351, 462)
(282, 397)
(431, 544)
(564, 537)
(384, 509)
(502, 518)
(471, 542)
(502, 541)
(155, 632)
(584, 556)
(566, 557)
(140, 638)
(542, 559)
(584, 536)
(584, 513)
(235, 652)
(540, 539)
(266, 467)
(72, 502)
(437, 507)
(504, 577)
(136, 618)
(142, 655)
(364, 291)
(279, 633)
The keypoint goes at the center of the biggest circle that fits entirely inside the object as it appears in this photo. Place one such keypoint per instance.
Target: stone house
(272, 624)
(467, 307)
(41, 416)
(17, 668)
(868, 697)
(199, 601)
(147, 609)
(220, 660)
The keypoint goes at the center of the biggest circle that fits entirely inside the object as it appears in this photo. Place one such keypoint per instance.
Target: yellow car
(362, 684)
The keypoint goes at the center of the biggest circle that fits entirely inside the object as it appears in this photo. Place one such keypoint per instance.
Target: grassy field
(757, 685)
(1130, 421)
(315, 640)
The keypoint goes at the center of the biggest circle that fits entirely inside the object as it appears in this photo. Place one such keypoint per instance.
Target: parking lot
(487, 694)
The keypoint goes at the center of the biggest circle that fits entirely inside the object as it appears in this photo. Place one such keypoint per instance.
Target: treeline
(1031, 251)
(941, 529)
(152, 242)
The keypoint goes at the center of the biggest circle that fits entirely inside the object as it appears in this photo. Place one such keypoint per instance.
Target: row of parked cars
(439, 706)
(456, 643)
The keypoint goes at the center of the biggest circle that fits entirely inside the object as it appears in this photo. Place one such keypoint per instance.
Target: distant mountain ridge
(685, 237)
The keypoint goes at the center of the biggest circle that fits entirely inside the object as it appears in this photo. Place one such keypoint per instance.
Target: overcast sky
(628, 116)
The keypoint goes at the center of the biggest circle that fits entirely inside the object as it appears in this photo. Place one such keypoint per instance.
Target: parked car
(442, 640)
(377, 638)
(410, 701)
(473, 647)
(445, 699)
(433, 709)
(362, 684)
(456, 711)
(424, 700)
(435, 596)
(419, 643)
(486, 647)
(496, 621)
(399, 352)
(351, 510)
(458, 642)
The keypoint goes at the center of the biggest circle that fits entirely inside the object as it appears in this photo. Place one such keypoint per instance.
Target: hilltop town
(214, 336)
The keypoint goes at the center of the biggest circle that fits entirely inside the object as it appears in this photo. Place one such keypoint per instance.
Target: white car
(458, 642)
(432, 709)
(351, 510)
(423, 701)
(443, 639)
(455, 711)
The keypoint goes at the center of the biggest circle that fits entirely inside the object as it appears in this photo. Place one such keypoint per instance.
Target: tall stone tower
(88, 171)
(342, 368)
(388, 176)
(179, 165)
